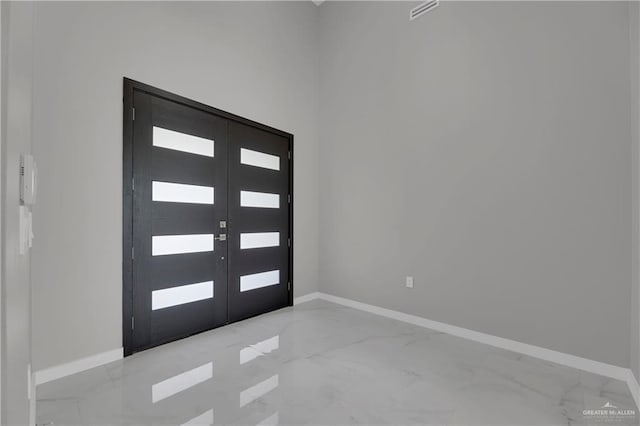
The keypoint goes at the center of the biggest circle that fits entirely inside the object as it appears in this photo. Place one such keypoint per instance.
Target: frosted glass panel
(170, 139)
(181, 193)
(262, 279)
(255, 392)
(259, 159)
(259, 239)
(181, 382)
(180, 295)
(177, 244)
(259, 199)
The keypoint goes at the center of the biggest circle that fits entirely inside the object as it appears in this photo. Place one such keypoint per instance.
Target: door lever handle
(221, 237)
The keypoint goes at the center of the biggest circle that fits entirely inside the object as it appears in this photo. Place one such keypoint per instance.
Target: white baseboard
(591, 366)
(62, 370)
(584, 364)
(77, 366)
(306, 298)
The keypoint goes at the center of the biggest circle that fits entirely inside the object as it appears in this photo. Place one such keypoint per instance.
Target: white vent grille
(423, 8)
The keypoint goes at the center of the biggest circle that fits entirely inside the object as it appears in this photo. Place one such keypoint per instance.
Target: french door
(207, 218)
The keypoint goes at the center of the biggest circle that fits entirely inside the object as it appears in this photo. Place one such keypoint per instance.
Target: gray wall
(257, 60)
(17, 62)
(634, 54)
(484, 149)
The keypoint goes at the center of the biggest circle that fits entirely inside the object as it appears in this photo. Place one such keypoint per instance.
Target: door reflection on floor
(248, 386)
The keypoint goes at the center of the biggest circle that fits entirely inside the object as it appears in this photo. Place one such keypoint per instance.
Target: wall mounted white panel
(259, 199)
(180, 295)
(165, 138)
(262, 279)
(259, 159)
(182, 193)
(180, 382)
(178, 244)
(259, 240)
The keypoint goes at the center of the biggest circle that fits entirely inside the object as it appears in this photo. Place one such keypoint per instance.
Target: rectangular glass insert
(170, 139)
(252, 240)
(181, 193)
(259, 159)
(259, 199)
(178, 244)
(259, 280)
(180, 295)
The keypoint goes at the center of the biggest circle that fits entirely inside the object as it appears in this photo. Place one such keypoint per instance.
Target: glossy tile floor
(324, 364)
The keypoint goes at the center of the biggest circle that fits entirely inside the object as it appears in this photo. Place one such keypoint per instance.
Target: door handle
(221, 237)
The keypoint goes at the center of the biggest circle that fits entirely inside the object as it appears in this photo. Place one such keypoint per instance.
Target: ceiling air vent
(422, 9)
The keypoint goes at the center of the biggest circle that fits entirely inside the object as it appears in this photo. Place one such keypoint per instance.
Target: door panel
(173, 219)
(246, 264)
(198, 173)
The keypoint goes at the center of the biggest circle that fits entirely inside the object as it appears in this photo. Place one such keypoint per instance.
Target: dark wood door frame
(131, 86)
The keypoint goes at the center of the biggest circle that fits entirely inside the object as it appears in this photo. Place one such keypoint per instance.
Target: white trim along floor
(265, 345)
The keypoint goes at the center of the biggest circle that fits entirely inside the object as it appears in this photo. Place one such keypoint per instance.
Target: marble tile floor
(320, 363)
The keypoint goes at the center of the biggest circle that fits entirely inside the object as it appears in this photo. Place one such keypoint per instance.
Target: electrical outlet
(409, 282)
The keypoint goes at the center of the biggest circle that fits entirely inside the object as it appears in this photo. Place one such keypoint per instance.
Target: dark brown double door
(210, 218)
